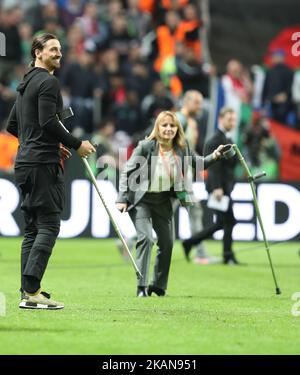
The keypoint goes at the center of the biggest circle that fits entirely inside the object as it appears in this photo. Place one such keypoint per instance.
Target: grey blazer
(136, 176)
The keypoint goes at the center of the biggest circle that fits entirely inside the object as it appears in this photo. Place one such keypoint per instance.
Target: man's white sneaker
(39, 302)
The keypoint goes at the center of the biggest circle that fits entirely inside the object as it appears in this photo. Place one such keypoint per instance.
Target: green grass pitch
(213, 309)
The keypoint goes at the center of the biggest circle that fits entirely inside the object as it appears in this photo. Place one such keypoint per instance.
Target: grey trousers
(196, 225)
(154, 211)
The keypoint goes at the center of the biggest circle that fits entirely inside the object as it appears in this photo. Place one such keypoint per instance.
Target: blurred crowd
(125, 61)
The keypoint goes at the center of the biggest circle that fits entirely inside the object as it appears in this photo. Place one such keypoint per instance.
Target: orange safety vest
(188, 26)
(166, 45)
(167, 4)
(8, 151)
(146, 6)
(176, 86)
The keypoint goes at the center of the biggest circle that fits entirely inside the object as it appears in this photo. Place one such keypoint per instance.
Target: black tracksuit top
(33, 120)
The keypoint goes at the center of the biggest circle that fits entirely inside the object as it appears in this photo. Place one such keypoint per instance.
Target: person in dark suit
(154, 175)
(277, 89)
(220, 182)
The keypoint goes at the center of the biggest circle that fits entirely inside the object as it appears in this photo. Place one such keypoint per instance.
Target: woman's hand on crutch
(122, 207)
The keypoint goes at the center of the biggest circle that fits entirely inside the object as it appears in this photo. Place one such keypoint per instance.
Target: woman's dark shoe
(154, 289)
(141, 291)
(186, 249)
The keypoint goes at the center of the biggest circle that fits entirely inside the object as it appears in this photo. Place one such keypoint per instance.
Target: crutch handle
(228, 151)
(259, 175)
(65, 113)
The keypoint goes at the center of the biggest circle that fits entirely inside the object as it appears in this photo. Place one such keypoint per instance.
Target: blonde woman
(154, 175)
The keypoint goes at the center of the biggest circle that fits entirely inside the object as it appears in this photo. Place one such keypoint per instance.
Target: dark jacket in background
(13, 47)
(278, 79)
(221, 174)
(81, 81)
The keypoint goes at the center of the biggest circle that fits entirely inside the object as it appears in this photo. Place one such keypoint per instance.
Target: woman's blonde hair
(179, 139)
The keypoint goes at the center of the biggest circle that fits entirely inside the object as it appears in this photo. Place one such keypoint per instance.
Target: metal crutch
(229, 151)
(68, 113)
(119, 234)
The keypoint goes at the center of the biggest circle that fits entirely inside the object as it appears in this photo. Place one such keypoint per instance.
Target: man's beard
(56, 62)
(53, 64)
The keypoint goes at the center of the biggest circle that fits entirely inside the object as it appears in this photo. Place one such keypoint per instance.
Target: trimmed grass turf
(212, 309)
